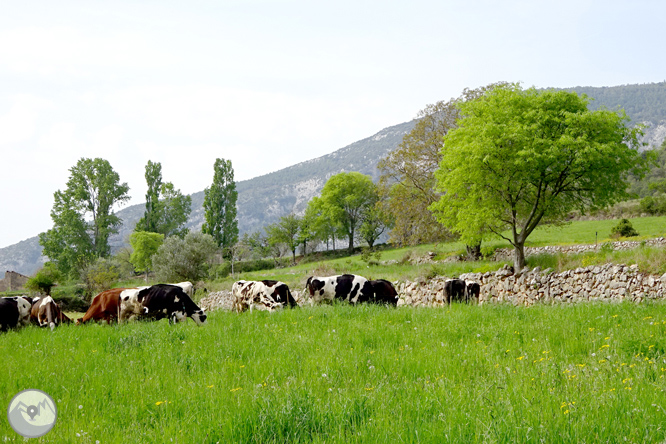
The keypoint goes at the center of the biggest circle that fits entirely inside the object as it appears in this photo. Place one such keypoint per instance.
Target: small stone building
(13, 281)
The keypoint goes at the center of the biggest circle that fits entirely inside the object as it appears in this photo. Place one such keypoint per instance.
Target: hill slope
(264, 199)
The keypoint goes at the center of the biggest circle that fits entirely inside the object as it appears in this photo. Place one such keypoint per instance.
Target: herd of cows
(174, 301)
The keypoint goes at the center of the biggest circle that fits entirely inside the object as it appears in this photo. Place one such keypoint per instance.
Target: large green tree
(167, 209)
(407, 178)
(521, 158)
(220, 207)
(346, 199)
(83, 217)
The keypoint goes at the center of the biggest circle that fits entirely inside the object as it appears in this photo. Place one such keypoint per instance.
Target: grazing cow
(14, 312)
(454, 290)
(45, 312)
(348, 287)
(169, 301)
(104, 307)
(129, 305)
(384, 292)
(264, 295)
(472, 290)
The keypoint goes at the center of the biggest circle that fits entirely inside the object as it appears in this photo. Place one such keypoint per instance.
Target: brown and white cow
(46, 313)
(14, 312)
(104, 307)
(349, 287)
(262, 295)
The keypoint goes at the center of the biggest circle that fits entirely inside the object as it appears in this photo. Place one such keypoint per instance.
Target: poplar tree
(220, 207)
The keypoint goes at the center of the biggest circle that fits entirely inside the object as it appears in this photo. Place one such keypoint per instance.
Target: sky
(268, 84)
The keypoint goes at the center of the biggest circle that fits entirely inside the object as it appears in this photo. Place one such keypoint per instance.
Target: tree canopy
(408, 173)
(184, 259)
(346, 199)
(220, 207)
(83, 217)
(144, 245)
(167, 209)
(521, 158)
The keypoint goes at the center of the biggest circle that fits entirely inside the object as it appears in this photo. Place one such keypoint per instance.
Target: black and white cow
(458, 290)
(262, 295)
(384, 292)
(170, 301)
(348, 287)
(472, 290)
(14, 312)
(160, 301)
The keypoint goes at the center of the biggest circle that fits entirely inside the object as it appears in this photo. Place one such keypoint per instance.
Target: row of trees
(349, 209)
(83, 221)
(497, 161)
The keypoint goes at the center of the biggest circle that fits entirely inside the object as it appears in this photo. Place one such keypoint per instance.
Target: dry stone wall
(606, 283)
(506, 254)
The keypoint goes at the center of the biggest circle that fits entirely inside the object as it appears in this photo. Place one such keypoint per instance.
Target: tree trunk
(473, 252)
(351, 242)
(293, 256)
(519, 257)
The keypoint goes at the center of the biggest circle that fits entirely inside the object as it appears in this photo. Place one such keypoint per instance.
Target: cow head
(199, 316)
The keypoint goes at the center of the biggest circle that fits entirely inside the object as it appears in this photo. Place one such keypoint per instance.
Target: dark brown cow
(104, 307)
(46, 313)
(384, 292)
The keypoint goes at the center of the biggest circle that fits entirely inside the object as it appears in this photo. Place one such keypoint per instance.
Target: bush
(99, 276)
(623, 229)
(44, 279)
(184, 259)
(653, 205)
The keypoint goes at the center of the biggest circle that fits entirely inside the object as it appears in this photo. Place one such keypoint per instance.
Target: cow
(384, 292)
(348, 287)
(264, 295)
(129, 305)
(46, 313)
(168, 301)
(14, 312)
(454, 290)
(104, 307)
(472, 290)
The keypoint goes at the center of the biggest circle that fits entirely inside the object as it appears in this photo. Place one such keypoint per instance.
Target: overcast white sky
(268, 84)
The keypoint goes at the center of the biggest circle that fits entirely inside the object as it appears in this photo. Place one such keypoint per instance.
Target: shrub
(99, 276)
(184, 259)
(44, 279)
(623, 229)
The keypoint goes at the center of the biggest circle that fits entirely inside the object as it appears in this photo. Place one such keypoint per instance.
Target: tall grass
(339, 374)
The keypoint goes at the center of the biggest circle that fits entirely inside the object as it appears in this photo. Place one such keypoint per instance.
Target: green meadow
(367, 374)
(341, 374)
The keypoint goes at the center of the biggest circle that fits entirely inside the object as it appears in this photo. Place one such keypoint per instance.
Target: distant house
(13, 281)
